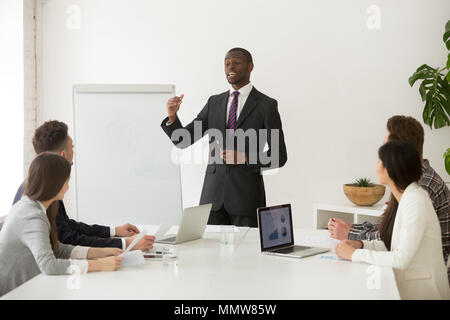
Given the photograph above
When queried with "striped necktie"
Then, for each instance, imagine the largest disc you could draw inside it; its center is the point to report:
(233, 111)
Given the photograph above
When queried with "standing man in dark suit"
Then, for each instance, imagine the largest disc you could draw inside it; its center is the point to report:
(233, 181)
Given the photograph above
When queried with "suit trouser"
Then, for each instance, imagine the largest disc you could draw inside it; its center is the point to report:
(222, 217)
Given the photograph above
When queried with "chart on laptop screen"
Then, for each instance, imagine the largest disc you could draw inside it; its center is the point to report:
(276, 227)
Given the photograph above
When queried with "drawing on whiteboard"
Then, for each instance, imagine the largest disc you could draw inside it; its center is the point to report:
(121, 135)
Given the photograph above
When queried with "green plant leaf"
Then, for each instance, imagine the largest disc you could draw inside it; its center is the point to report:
(363, 183)
(445, 92)
(422, 91)
(447, 160)
(426, 67)
(422, 72)
(437, 102)
(426, 114)
(435, 89)
(440, 119)
(446, 38)
(442, 96)
(447, 98)
(428, 83)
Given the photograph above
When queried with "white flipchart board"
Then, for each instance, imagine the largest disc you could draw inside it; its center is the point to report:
(123, 164)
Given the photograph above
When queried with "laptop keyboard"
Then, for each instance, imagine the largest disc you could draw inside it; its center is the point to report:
(172, 239)
(292, 249)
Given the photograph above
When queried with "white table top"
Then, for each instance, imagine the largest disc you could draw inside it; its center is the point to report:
(209, 269)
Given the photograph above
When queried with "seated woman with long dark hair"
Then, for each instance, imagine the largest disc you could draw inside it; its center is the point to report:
(410, 232)
(29, 240)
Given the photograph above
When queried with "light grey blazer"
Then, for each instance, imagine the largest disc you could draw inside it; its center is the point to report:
(25, 249)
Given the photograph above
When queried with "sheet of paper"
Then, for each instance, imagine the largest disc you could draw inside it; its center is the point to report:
(320, 241)
(210, 228)
(134, 242)
(330, 257)
(132, 258)
(162, 230)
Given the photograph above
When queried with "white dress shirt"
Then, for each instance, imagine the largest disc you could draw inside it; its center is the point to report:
(244, 92)
(112, 232)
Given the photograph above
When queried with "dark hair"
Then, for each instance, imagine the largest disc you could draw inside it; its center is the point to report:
(46, 176)
(406, 129)
(245, 53)
(403, 165)
(50, 136)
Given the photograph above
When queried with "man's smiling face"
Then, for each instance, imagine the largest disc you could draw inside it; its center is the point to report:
(237, 69)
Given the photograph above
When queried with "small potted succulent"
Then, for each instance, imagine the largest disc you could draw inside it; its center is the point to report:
(363, 192)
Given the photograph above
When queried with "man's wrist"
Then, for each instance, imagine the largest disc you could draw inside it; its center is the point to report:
(172, 119)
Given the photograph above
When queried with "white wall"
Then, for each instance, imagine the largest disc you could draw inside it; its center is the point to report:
(11, 101)
(336, 81)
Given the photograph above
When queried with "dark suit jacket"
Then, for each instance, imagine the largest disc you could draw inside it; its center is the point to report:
(239, 188)
(78, 233)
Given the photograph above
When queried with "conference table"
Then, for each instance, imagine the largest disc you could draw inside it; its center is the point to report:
(209, 269)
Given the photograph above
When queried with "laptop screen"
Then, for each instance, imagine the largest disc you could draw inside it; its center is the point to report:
(275, 226)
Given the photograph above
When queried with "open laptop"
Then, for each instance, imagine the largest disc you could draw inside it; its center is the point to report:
(277, 236)
(192, 226)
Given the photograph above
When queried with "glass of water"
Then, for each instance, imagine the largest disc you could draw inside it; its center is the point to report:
(227, 235)
(170, 257)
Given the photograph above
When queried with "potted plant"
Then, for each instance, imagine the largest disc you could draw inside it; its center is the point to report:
(435, 91)
(363, 192)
